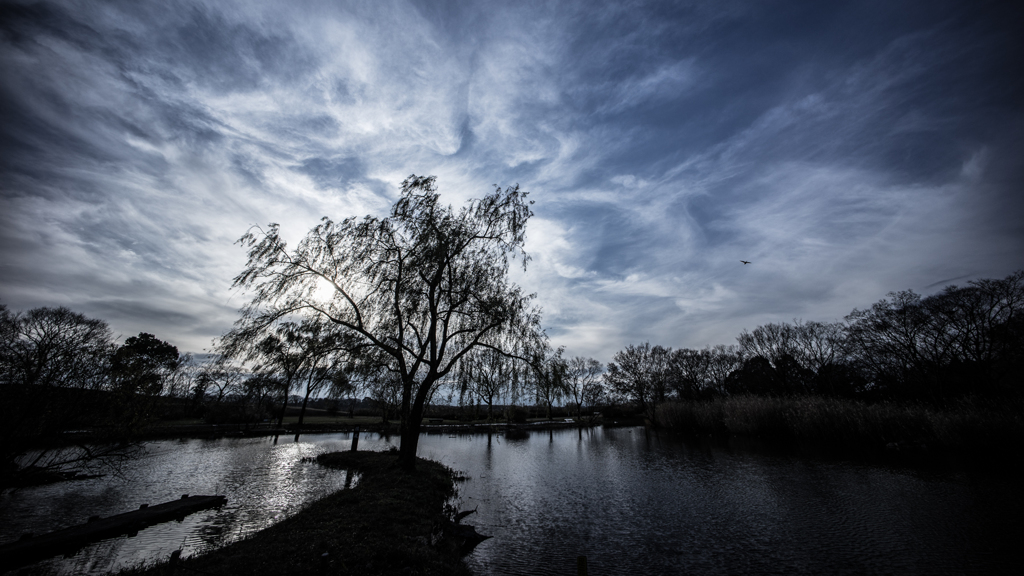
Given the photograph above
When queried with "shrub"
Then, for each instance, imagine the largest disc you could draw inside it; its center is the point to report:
(517, 414)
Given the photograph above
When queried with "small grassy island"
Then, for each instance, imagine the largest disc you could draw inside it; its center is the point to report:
(391, 522)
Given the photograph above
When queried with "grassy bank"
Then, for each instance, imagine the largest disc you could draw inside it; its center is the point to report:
(838, 425)
(392, 522)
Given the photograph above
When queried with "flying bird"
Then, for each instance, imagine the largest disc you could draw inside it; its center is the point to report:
(745, 262)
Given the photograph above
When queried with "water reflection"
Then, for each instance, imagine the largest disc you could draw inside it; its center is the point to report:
(631, 501)
(263, 480)
(636, 503)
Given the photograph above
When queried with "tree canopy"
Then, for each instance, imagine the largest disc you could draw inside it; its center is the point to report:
(420, 288)
(141, 363)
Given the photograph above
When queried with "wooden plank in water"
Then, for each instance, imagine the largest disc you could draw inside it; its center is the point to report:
(35, 548)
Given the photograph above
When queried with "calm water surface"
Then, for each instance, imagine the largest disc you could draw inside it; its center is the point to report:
(264, 482)
(632, 502)
(635, 503)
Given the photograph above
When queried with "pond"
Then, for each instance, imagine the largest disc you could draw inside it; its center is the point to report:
(636, 503)
(631, 501)
(264, 482)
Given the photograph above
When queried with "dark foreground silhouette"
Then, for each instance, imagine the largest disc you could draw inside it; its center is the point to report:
(392, 522)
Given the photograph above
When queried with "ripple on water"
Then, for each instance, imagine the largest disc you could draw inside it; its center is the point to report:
(633, 503)
(264, 482)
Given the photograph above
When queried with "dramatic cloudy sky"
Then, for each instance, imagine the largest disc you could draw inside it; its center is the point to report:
(847, 149)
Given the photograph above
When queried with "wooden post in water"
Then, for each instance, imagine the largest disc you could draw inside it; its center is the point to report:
(581, 566)
(355, 439)
(172, 565)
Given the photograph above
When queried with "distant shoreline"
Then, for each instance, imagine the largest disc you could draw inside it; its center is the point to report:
(213, 431)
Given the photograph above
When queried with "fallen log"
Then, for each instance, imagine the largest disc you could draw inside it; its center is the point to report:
(32, 548)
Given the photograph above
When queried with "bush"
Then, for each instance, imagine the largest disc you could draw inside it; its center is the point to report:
(517, 414)
(231, 414)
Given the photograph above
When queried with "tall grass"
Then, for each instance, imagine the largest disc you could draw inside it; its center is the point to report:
(847, 424)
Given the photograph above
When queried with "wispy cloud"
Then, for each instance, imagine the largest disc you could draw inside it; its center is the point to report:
(845, 150)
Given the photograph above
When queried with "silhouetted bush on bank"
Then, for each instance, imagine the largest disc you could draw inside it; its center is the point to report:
(844, 424)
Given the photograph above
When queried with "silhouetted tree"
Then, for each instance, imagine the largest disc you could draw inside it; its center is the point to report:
(424, 286)
(890, 344)
(143, 363)
(344, 386)
(640, 373)
(966, 324)
(689, 372)
(770, 341)
(548, 377)
(489, 375)
(56, 348)
(811, 344)
(219, 378)
(321, 352)
(819, 344)
(583, 382)
(839, 380)
(256, 396)
(179, 383)
(385, 389)
(281, 352)
(55, 367)
(722, 361)
(790, 378)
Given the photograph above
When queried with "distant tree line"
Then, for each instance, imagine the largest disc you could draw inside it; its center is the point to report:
(73, 400)
(963, 342)
(62, 372)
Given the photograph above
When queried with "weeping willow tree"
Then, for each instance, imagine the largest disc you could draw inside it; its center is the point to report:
(420, 288)
(490, 375)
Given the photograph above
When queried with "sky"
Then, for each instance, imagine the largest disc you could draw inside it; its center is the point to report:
(845, 149)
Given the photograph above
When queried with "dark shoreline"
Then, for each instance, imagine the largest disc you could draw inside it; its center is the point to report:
(210, 431)
(391, 522)
(882, 433)
(382, 482)
(34, 548)
(816, 427)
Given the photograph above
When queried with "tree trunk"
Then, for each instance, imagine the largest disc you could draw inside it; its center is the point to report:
(302, 412)
(412, 417)
(407, 449)
(410, 436)
(284, 406)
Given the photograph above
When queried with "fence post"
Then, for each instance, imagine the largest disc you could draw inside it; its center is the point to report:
(355, 439)
(581, 566)
(172, 565)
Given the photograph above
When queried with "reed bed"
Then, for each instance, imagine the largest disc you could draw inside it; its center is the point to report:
(849, 424)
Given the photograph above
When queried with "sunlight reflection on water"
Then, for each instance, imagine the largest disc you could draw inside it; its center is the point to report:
(632, 502)
(264, 482)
